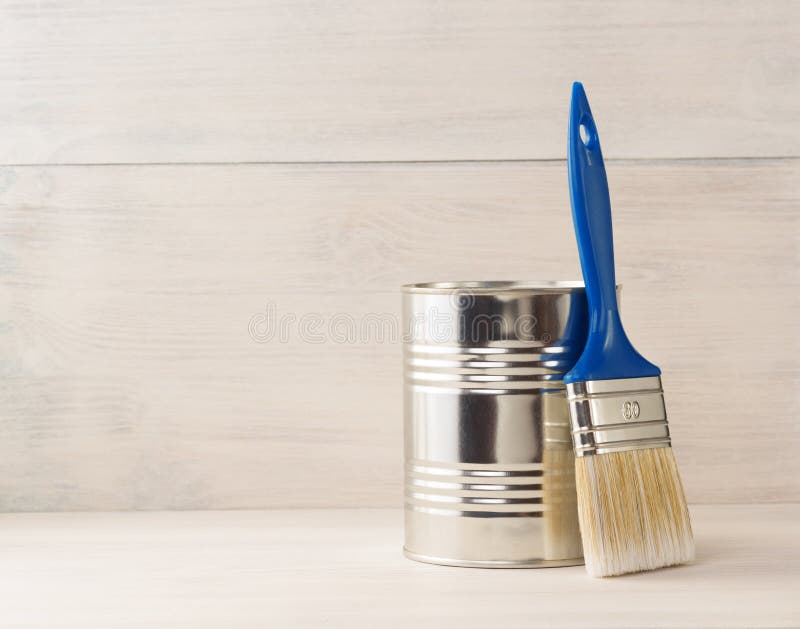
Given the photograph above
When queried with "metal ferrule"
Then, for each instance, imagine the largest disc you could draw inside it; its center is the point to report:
(617, 415)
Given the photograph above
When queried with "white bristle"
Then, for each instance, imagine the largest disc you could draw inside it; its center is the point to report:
(632, 511)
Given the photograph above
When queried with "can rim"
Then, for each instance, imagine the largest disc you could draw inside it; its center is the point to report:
(493, 286)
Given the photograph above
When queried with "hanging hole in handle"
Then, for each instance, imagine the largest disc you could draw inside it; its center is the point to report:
(586, 134)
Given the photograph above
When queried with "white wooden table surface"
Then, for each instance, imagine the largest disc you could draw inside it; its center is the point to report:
(343, 568)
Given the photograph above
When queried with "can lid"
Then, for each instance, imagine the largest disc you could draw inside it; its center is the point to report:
(478, 287)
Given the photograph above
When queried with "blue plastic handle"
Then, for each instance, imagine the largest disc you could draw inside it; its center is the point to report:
(608, 353)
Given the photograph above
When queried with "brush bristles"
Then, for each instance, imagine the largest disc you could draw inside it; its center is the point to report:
(632, 512)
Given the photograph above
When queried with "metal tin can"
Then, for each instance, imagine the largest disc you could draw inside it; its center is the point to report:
(489, 468)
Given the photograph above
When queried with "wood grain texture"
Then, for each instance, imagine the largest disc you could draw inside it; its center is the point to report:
(195, 81)
(340, 568)
(131, 379)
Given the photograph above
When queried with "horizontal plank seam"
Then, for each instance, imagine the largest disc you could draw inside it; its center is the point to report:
(321, 507)
(621, 160)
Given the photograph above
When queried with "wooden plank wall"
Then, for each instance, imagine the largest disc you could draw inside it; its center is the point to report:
(172, 170)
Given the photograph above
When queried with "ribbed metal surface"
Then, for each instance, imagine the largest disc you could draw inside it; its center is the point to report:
(493, 369)
(475, 491)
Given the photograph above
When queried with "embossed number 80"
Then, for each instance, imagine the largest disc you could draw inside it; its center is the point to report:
(630, 410)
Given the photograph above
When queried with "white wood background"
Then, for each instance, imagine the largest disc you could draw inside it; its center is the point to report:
(169, 169)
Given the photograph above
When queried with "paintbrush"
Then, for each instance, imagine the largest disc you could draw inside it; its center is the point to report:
(631, 506)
